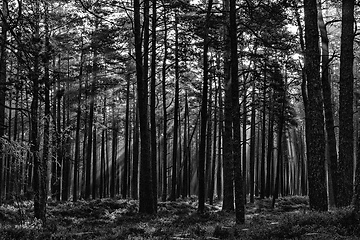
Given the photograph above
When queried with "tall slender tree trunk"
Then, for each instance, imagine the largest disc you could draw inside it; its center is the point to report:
(228, 170)
(263, 139)
(186, 172)
(252, 145)
(213, 164)
(38, 184)
(346, 112)
(95, 167)
(47, 111)
(146, 200)
(203, 112)
(135, 165)
(315, 137)
(164, 105)
(328, 110)
(219, 169)
(3, 58)
(174, 169)
(126, 151)
(239, 193)
(77, 131)
(153, 105)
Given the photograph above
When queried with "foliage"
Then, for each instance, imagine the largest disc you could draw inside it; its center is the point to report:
(118, 219)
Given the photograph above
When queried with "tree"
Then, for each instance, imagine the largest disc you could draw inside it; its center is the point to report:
(174, 167)
(39, 168)
(315, 137)
(164, 105)
(228, 170)
(204, 102)
(146, 201)
(153, 104)
(3, 65)
(328, 109)
(346, 113)
(239, 193)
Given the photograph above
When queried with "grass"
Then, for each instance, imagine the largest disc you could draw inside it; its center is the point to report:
(118, 219)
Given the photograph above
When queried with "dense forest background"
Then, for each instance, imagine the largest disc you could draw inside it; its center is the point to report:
(159, 100)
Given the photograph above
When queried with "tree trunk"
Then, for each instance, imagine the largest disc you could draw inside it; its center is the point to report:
(346, 113)
(146, 200)
(77, 131)
(235, 110)
(164, 105)
(328, 110)
(3, 58)
(203, 112)
(219, 182)
(176, 115)
(315, 137)
(263, 138)
(114, 147)
(228, 170)
(47, 111)
(153, 105)
(135, 165)
(212, 176)
(95, 168)
(252, 145)
(38, 184)
(126, 150)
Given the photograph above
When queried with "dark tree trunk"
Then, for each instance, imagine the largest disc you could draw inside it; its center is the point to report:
(47, 111)
(252, 145)
(279, 145)
(164, 105)
(3, 58)
(328, 110)
(153, 105)
(270, 146)
(203, 112)
(315, 137)
(126, 151)
(95, 168)
(114, 147)
(228, 170)
(219, 183)
(135, 165)
(186, 172)
(146, 200)
(263, 139)
(239, 190)
(213, 164)
(174, 169)
(77, 131)
(345, 174)
(39, 168)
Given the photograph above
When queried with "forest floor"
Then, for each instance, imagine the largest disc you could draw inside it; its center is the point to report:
(118, 219)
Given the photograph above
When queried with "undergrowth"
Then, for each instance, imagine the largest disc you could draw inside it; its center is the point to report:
(119, 219)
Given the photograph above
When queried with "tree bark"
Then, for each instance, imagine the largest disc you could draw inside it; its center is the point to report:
(328, 110)
(153, 105)
(164, 105)
(239, 193)
(203, 112)
(3, 64)
(146, 200)
(252, 145)
(174, 169)
(39, 168)
(228, 170)
(315, 137)
(346, 113)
